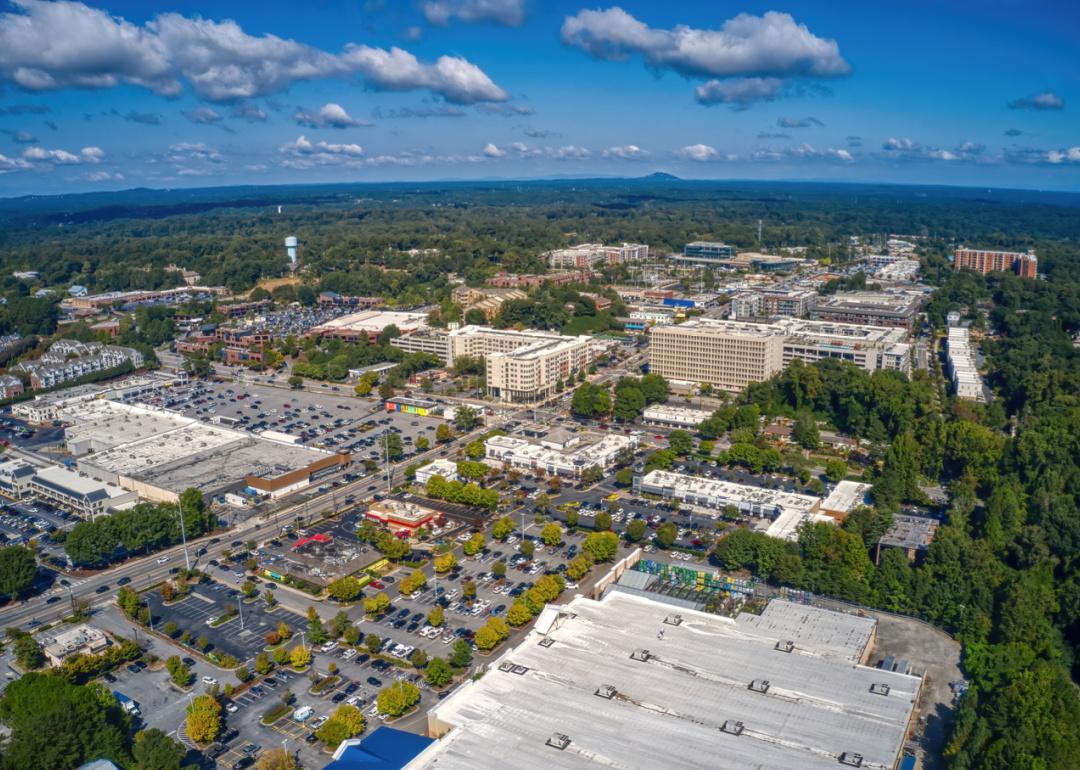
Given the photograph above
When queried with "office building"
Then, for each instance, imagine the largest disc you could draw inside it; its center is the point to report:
(731, 354)
(910, 534)
(435, 342)
(560, 452)
(15, 478)
(79, 493)
(587, 256)
(674, 416)
(962, 365)
(869, 308)
(632, 681)
(441, 467)
(1026, 265)
(708, 250)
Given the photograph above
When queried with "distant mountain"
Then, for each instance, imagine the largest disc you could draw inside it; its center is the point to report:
(659, 176)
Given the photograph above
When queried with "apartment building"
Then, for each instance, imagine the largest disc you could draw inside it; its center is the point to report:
(67, 360)
(533, 372)
(506, 280)
(585, 256)
(795, 303)
(732, 354)
(1026, 265)
(963, 368)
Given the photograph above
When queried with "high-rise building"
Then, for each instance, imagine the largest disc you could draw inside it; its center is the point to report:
(1026, 265)
(732, 354)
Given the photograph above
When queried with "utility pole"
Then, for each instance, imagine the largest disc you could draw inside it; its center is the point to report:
(240, 609)
(386, 448)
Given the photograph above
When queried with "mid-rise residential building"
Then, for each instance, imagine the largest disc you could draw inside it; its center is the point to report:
(1024, 264)
(68, 360)
(586, 256)
(794, 303)
(10, 386)
(875, 308)
(559, 453)
(732, 354)
(963, 368)
(529, 280)
(433, 341)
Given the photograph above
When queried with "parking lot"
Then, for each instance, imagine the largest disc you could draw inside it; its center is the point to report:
(242, 636)
(336, 421)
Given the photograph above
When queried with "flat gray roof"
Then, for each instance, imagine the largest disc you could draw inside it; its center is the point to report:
(669, 711)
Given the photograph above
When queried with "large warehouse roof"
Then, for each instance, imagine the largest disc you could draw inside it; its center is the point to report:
(582, 701)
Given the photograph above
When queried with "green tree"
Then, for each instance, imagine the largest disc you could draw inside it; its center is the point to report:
(601, 546)
(154, 750)
(629, 403)
(519, 614)
(666, 534)
(443, 433)
(17, 570)
(465, 419)
(624, 477)
(28, 653)
(373, 643)
(551, 534)
(503, 528)
(805, 431)
(681, 442)
(835, 469)
(398, 698)
(300, 657)
(474, 544)
(438, 673)
(602, 521)
(635, 530)
(377, 604)
(436, 616)
(498, 569)
(527, 548)
(262, 664)
(590, 400)
(203, 719)
(344, 589)
(460, 654)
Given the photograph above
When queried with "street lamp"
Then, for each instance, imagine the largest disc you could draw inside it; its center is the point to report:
(183, 533)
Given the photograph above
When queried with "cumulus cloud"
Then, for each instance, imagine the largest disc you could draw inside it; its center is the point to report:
(399, 113)
(104, 176)
(191, 152)
(145, 118)
(905, 149)
(698, 152)
(203, 116)
(330, 115)
(626, 152)
(1069, 155)
(798, 122)
(41, 155)
(509, 13)
(760, 50)
(491, 151)
(303, 153)
(1043, 101)
(47, 46)
(740, 93)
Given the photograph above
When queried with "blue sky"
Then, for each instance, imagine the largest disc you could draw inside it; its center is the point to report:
(116, 94)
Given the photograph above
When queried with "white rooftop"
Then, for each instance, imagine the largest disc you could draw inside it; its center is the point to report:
(669, 710)
(847, 496)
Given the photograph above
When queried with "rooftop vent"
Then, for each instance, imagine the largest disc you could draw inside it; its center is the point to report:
(507, 666)
(560, 742)
(519, 670)
(606, 691)
(879, 689)
(673, 620)
(851, 759)
(785, 645)
(732, 727)
(760, 685)
(547, 641)
(640, 654)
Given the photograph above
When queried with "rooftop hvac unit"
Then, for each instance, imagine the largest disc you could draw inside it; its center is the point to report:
(606, 691)
(785, 645)
(879, 689)
(547, 641)
(560, 741)
(760, 685)
(732, 727)
(673, 620)
(641, 655)
(851, 759)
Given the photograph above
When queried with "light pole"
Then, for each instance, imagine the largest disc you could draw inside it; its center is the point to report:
(240, 609)
(183, 533)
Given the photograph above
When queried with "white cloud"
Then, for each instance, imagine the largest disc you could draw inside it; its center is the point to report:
(626, 152)
(104, 176)
(698, 152)
(510, 13)
(491, 151)
(905, 149)
(330, 115)
(762, 49)
(1046, 100)
(203, 115)
(303, 153)
(185, 153)
(739, 92)
(7, 165)
(64, 44)
(1070, 155)
(571, 152)
(63, 157)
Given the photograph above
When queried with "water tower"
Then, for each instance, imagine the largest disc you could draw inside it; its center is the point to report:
(290, 249)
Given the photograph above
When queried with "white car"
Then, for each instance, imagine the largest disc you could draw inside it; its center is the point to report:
(348, 654)
(162, 559)
(209, 681)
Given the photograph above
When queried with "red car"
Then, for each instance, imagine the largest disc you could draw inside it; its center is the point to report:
(376, 584)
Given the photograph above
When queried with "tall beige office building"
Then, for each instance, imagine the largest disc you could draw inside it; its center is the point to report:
(731, 354)
(726, 354)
